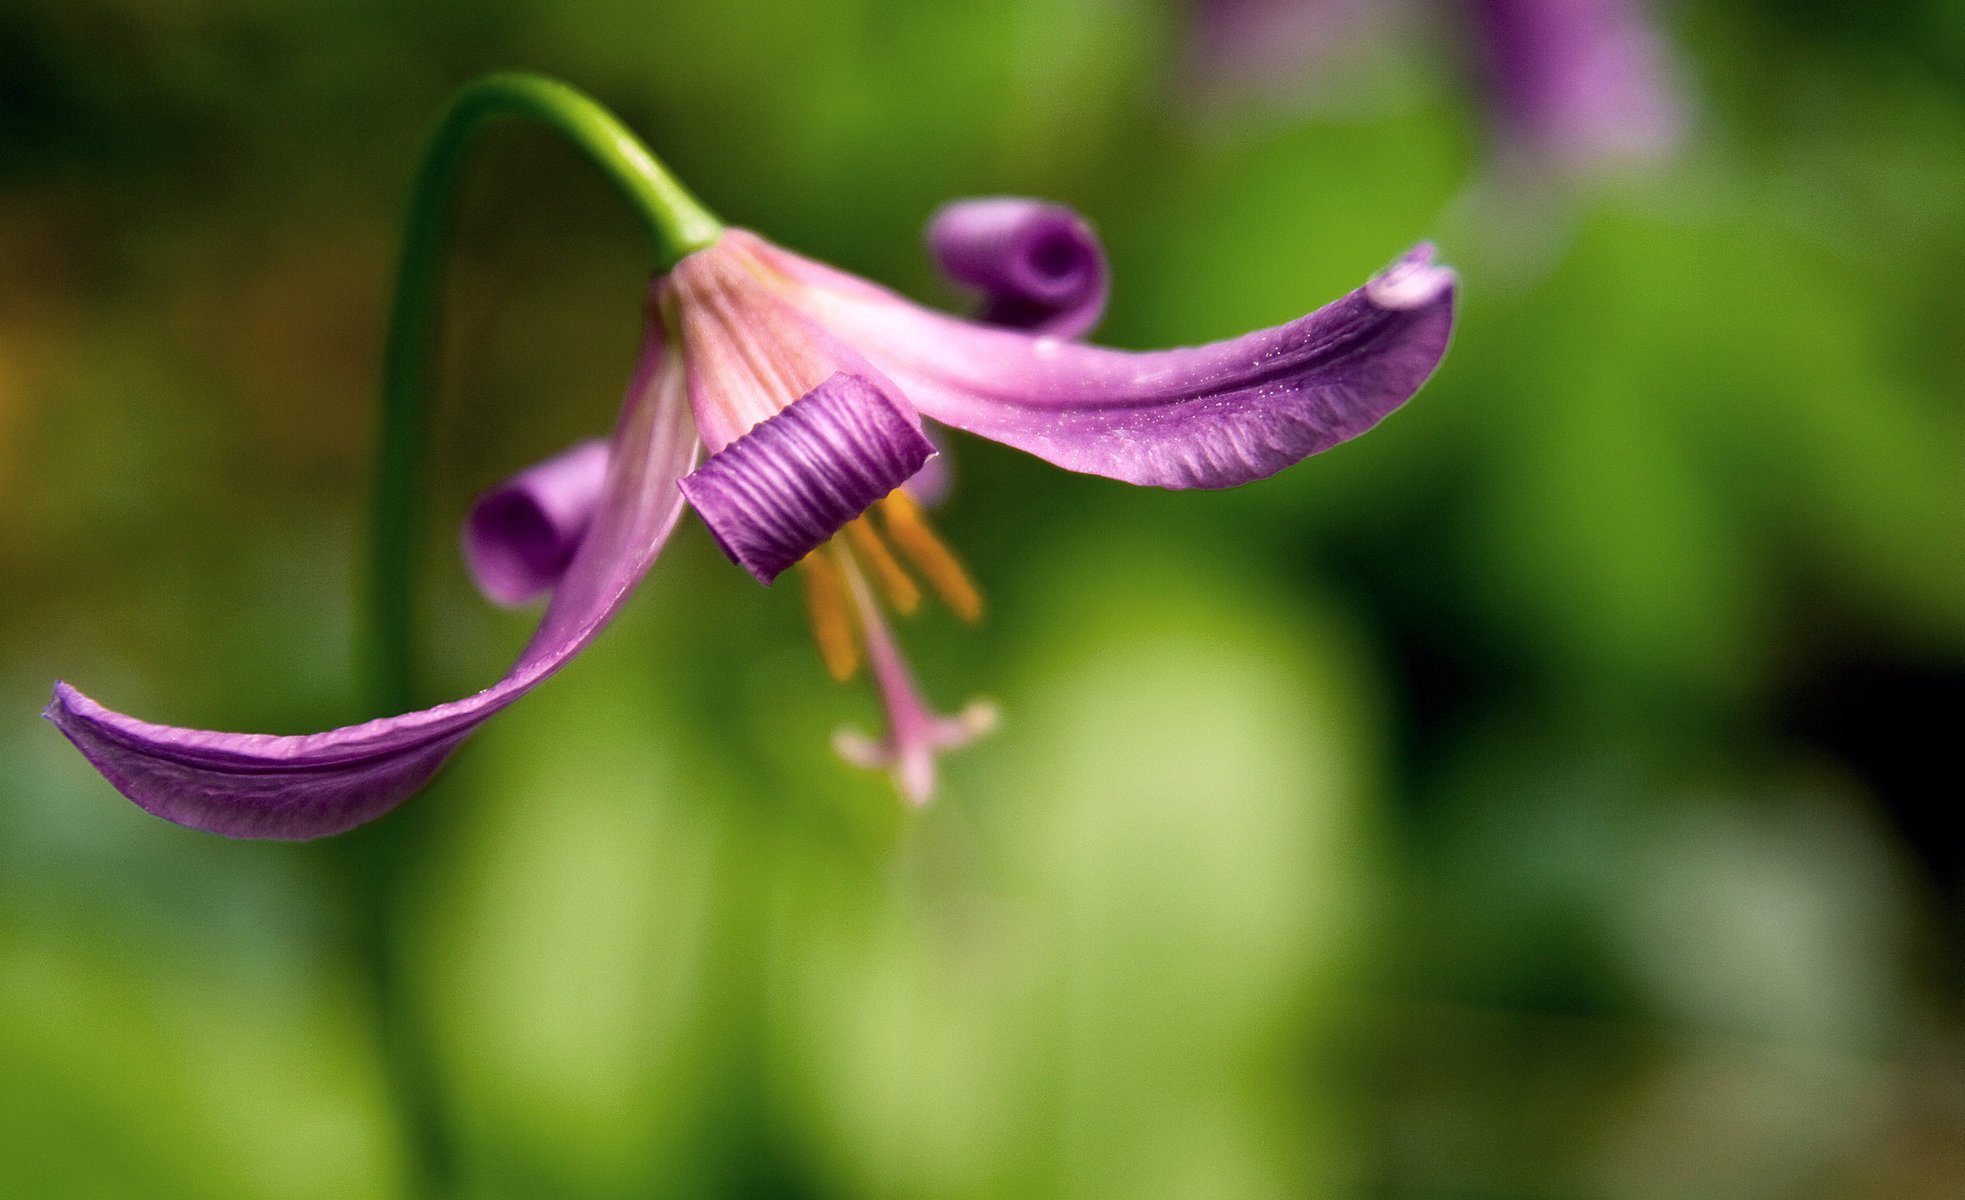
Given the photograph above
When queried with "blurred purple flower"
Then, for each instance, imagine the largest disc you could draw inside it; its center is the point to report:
(1580, 83)
(1282, 48)
(1573, 84)
(806, 387)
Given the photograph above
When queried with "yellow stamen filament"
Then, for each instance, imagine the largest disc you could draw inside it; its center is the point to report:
(832, 615)
(899, 586)
(937, 563)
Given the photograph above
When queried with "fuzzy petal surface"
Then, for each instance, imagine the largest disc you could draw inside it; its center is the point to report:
(312, 785)
(1202, 417)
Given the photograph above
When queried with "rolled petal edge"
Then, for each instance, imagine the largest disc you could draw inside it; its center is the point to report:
(521, 534)
(1038, 266)
(783, 489)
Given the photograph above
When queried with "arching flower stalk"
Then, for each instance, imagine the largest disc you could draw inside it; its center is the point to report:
(784, 401)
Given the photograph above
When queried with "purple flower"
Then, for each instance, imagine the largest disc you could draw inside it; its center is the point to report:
(802, 391)
(1572, 84)
(1580, 83)
(1280, 49)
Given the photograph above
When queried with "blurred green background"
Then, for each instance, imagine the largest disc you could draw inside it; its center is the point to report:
(1548, 795)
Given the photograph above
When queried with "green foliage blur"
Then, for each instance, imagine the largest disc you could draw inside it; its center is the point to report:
(1543, 796)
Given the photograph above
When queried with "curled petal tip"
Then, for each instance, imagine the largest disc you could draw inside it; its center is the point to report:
(931, 485)
(60, 707)
(254, 785)
(520, 535)
(1414, 281)
(1038, 266)
(1206, 416)
(783, 489)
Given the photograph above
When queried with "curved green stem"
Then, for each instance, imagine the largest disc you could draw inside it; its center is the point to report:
(373, 860)
(677, 223)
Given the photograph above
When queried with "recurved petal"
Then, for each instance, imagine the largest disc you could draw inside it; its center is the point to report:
(1206, 416)
(783, 489)
(1038, 266)
(521, 535)
(306, 786)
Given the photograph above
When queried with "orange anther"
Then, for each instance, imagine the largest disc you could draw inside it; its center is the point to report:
(831, 613)
(909, 528)
(898, 585)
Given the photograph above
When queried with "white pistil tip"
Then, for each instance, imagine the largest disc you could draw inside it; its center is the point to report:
(859, 749)
(977, 719)
(908, 753)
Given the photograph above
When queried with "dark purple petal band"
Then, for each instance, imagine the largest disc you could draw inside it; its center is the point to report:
(1038, 266)
(780, 491)
(521, 535)
(312, 785)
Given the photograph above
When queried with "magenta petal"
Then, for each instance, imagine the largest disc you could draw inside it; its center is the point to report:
(1209, 416)
(306, 786)
(931, 485)
(521, 535)
(1038, 266)
(780, 491)
(264, 786)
